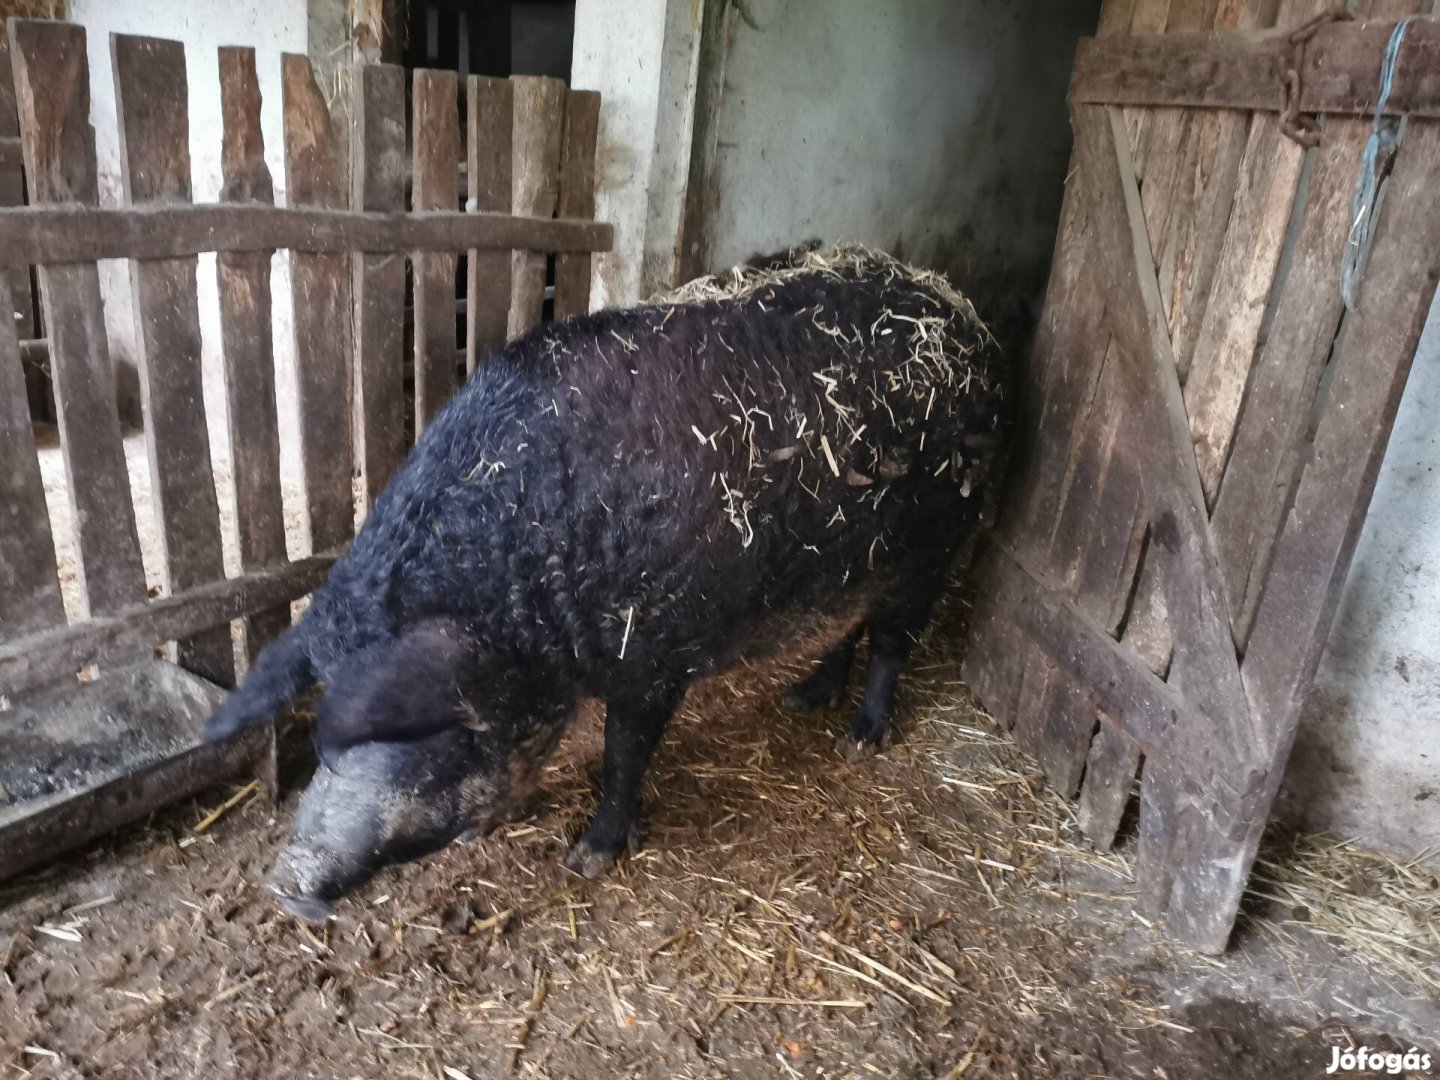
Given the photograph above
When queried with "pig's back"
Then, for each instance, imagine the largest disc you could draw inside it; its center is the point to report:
(664, 480)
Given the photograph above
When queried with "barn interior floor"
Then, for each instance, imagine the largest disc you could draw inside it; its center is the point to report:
(933, 912)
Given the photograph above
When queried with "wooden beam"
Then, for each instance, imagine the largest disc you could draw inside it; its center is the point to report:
(535, 162)
(435, 185)
(1140, 703)
(52, 83)
(1192, 583)
(1243, 69)
(243, 279)
(70, 234)
(320, 287)
(29, 589)
(151, 99)
(53, 654)
(489, 137)
(377, 182)
(577, 197)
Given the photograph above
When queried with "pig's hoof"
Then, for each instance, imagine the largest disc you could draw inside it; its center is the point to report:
(817, 692)
(856, 750)
(591, 860)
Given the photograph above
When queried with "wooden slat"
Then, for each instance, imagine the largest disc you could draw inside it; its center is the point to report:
(1192, 584)
(1269, 441)
(314, 175)
(436, 127)
(29, 589)
(1110, 769)
(246, 339)
(539, 119)
(490, 123)
(12, 191)
(152, 98)
(1204, 192)
(53, 92)
(1370, 366)
(82, 233)
(1249, 256)
(1069, 344)
(577, 197)
(1240, 70)
(44, 657)
(377, 177)
(1120, 685)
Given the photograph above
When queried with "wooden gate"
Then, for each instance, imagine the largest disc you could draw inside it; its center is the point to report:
(1205, 416)
(529, 156)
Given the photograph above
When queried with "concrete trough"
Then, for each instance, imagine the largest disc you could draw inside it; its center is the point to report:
(81, 760)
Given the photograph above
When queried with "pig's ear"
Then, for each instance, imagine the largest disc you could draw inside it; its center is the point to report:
(282, 671)
(405, 689)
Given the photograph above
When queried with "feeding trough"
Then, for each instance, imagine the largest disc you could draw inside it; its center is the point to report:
(79, 761)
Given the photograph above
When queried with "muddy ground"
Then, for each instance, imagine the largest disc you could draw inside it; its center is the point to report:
(930, 913)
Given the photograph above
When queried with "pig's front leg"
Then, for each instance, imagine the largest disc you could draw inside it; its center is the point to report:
(633, 728)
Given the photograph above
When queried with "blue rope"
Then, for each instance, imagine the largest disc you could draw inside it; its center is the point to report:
(1384, 137)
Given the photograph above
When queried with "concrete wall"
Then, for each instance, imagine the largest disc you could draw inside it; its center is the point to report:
(1367, 756)
(642, 56)
(936, 129)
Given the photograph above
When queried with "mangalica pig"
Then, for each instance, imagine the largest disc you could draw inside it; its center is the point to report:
(616, 506)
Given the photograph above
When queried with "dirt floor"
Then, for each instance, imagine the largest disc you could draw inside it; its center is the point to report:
(930, 913)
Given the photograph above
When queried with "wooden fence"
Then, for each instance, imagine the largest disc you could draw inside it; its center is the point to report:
(528, 153)
(1205, 417)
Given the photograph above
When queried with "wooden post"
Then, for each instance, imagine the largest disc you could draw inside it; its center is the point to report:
(246, 336)
(314, 171)
(53, 92)
(12, 193)
(490, 128)
(152, 96)
(539, 116)
(577, 197)
(377, 176)
(29, 589)
(435, 186)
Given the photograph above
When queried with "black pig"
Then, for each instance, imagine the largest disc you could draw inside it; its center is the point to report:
(616, 506)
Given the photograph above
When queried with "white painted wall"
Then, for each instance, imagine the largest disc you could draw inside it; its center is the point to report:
(272, 27)
(936, 129)
(641, 55)
(1367, 756)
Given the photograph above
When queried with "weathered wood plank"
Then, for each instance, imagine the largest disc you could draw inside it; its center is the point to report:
(490, 127)
(1070, 342)
(1191, 579)
(577, 197)
(61, 234)
(377, 177)
(53, 93)
(44, 657)
(436, 179)
(1254, 236)
(152, 103)
(1269, 441)
(314, 172)
(29, 589)
(1371, 364)
(246, 341)
(1110, 771)
(539, 122)
(12, 192)
(1240, 70)
(1119, 684)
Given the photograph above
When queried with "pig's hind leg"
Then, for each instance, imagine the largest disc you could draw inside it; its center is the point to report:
(633, 729)
(893, 629)
(825, 686)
